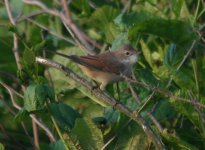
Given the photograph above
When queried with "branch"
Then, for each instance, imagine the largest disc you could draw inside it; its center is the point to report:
(66, 18)
(103, 97)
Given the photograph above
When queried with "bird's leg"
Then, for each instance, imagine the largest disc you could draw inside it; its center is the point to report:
(103, 85)
(95, 86)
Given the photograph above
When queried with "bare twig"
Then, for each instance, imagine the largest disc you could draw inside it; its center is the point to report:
(103, 97)
(32, 14)
(35, 135)
(51, 32)
(17, 57)
(42, 6)
(40, 124)
(67, 19)
(15, 39)
(77, 31)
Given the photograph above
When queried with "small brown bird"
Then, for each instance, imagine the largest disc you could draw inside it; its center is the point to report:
(107, 67)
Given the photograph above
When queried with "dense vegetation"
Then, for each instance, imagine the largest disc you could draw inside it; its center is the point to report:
(161, 107)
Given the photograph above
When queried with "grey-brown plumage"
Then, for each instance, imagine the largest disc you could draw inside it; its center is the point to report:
(107, 67)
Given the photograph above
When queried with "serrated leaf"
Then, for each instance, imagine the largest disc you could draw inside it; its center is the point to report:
(36, 95)
(111, 32)
(65, 115)
(28, 57)
(103, 16)
(87, 134)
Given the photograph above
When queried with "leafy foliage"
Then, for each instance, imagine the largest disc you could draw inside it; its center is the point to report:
(64, 115)
(36, 95)
(170, 37)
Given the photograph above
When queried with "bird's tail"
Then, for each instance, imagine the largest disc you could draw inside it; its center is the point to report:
(74, 58)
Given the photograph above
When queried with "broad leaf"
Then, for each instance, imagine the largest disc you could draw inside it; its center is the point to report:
(65, 115)
(87, 134)
(36, 95)
(179, 32)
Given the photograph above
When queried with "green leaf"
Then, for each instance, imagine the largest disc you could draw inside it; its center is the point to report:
(39, 46)
(177, 143)
(103, 16)
(53, 146)
(129, 137)
(179, 32)
(65, 115)
(110, 33)
(28, 57)
(127, 20)
(171, 57)
(87, 134)
(121, 39)
(184, 78)
(36, 95)
(111, 115)
(177, 6)
(2, 147)
(57, 146)
(83, 6)
(21, 115)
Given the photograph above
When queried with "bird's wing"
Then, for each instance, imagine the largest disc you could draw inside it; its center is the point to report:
(99, 62)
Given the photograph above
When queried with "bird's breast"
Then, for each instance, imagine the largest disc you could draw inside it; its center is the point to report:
(100, 76)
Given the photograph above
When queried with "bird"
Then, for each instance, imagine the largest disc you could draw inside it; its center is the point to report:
(108, 67)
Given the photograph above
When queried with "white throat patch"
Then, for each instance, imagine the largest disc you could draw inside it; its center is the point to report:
(130, 60)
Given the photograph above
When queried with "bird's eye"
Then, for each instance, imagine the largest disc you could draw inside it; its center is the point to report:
(127, 53)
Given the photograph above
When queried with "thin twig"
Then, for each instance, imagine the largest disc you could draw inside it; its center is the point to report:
(104, 97)
(32, 14)
(42, 6)
(17, 58)
(77, 31)
(165, 93)
(65, 18)
(52, 32)
(149, 114)
(183, 60)
(15, 39)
